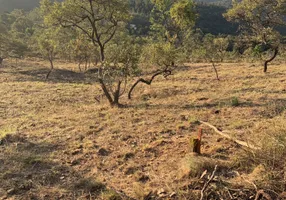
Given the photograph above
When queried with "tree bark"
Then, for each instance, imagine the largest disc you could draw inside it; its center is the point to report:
(217, 77)
(271, 59)
(79, 67)
(105, 91)
(102, 56)
(117, 95)
(101, 80)
(148, 82)
(52, 67)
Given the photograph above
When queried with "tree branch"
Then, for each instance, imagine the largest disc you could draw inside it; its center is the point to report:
(166, 72)
(242, 143)
(207, 183)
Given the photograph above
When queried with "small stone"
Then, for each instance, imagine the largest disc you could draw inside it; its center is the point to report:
(173, 194)
(75, 162)
(143, 178)
(81, 137)
(103, 152)
(162, 193)
(29, 176)
(62, 177)
(216, 111)
(130, 170)
(127, 156)
(77, 151)
(184, 118)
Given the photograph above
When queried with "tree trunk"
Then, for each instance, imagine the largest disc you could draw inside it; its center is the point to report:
(114, 102)
(217, 77)
(100, 79)
(271, 59)
(102, 56)
(52, 67)
(1, 61)
(85, 66)
(105, 91)
(117, 95)
(79, 67)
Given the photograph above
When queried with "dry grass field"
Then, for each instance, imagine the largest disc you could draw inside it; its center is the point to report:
(57, 142)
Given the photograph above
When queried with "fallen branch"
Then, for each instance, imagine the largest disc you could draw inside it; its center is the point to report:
(165, 72)
(242, 143)
(207, 183)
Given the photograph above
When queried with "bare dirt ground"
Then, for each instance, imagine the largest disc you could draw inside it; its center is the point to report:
(57, 142)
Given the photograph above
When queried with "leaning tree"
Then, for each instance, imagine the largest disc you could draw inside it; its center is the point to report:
(170, 20)
(260, 19)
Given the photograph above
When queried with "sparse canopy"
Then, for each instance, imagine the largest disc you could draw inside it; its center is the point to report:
(170, 17)
(260, 18)
(100, 21)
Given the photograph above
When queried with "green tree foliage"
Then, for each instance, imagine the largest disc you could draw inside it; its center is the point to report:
(82, 51)
(100, 22)
(260, 19)
(141, 6)
(215, 49)
(183, 14)
(50, 43)
(169, 18)
(162, 56)
(16, 30)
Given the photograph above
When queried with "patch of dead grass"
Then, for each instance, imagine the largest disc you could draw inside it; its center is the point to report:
(62, 112)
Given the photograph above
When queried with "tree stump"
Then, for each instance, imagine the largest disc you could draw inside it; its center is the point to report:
(196, 142)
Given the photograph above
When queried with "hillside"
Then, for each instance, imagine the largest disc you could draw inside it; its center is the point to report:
(56, 142)
(223, 3)
(9, 5)
(211, 20)
(210, 12)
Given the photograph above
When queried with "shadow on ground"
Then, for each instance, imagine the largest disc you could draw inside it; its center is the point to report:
(28, 170)
(38, 74)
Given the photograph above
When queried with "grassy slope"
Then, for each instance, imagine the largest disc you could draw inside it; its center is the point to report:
(54, 134)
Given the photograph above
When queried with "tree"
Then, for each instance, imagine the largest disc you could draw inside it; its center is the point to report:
(172, 19)
(259, 19)
(169, 19)
(215, 49)
(48, 44)
(81, 51)
(100, 21)
(13, 34)
(162, 56)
